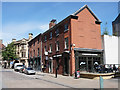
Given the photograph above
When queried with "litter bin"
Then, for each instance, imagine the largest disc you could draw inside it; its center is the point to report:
(77, 74)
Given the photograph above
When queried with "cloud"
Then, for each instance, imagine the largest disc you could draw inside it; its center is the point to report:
(18, 30)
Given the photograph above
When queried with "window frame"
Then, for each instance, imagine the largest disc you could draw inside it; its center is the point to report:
(66, 29)
(57, 32)
(50, 35)
(66, 45)
(57, 46)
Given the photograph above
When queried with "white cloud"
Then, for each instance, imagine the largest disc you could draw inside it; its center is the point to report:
(18, 30)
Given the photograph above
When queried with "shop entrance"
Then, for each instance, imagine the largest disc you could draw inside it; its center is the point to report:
(50, 66)
(66, 66)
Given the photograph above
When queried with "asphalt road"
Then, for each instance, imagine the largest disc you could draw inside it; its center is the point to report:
(12, 79)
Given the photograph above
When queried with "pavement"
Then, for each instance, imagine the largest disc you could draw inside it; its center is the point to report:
(46, 80)
(81, 82)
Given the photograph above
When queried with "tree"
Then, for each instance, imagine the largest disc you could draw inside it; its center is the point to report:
(105, 31)
(9, 53)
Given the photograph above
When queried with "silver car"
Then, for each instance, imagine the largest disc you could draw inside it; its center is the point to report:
(29, 70)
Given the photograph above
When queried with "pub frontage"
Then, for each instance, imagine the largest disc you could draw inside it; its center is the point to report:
(87, 59)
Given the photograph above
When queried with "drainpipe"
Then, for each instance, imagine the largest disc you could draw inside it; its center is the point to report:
(41, 56)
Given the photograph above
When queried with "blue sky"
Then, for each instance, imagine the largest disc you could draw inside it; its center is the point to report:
(21, 18)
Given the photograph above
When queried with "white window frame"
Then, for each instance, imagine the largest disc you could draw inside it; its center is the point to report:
(66, 42)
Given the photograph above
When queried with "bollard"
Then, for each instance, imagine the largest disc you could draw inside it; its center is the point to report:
(101, 83)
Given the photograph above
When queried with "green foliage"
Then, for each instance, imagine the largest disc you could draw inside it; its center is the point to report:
(9, 53)
(105, 31)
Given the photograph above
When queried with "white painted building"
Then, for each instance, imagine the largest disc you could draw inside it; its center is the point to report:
(110, 46)
(22, 49)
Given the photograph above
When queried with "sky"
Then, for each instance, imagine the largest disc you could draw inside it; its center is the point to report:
(21, 18)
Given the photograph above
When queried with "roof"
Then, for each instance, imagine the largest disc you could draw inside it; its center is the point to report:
(82, 8)
(35, 38)
(74, 15)
(117, 19)
(70, 16)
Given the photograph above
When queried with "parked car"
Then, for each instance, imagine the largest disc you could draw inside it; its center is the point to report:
(18, 66)
(29, 70)
(22, 69)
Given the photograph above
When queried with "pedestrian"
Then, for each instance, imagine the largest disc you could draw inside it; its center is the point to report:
(114, 68)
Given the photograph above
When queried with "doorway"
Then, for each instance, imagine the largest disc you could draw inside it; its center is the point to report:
(50, 66)
(66, 66)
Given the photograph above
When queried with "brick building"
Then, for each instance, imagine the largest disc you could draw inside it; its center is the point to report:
(116, 26)
(34, 52)
(72, 44)
(22, 49)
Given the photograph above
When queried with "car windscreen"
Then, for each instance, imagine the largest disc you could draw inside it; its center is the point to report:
(29, 69)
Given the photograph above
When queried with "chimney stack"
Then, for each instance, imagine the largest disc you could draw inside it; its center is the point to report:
(30, 36)
(13, 40)
(52, 23)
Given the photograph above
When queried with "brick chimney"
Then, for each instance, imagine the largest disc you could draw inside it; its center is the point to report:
(30, 36)
(52, 23)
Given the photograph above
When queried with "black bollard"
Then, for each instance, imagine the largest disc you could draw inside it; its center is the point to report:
(56, 73)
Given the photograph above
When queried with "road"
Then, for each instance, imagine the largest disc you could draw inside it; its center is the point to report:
(12, 79)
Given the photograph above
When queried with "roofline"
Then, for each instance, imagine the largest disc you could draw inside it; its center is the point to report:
(86, 6)
(116, 18)
(70, 16)
(34, 38)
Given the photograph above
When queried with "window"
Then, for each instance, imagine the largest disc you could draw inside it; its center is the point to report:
(23, 54)
(38, 51)
(50, 35)
(31, 53)
(45, 49)
(66, 27)
(57, 32)
(38, 40)
(45, 39)
(66, 43)
(34, 43)
(57, 46)
(34, 53)
(23, 46)
(50, 48)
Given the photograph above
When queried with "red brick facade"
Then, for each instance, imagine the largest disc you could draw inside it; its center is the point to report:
(83, 32)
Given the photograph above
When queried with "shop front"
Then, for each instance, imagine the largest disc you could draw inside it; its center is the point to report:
(35, 63)
(87, 59)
